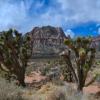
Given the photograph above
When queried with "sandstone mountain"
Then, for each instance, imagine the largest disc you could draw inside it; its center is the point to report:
(47, 40)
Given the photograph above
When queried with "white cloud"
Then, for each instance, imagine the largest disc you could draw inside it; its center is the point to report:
(99, 31)
(70, 33)
(64, 4)
(67, 13)
(80, 11)
(72, 12)
(12, 15)
(16, 14)
(52, 18)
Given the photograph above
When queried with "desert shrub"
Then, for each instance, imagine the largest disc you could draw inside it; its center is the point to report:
(3, 74)
(49, 62)
(8, 76)
(97, 72)
(98, 63)
(45, 70)
(98, 78)
(9, 91)
(32, 66)
(47, 67)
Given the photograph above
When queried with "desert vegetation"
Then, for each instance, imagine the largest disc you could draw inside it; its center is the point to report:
(14, 54)
(84, 55)
(61, 78)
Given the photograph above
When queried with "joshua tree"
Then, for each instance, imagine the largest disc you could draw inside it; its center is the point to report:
(84, 59)
(14, 54)
(65, 69)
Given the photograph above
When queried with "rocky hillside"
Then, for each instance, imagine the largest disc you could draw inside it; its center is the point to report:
(47, 40)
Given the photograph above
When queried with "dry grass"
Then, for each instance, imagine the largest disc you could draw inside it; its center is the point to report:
(9, 91)
(54, 92)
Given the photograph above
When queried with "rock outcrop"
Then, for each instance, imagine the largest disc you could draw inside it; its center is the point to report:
(47, 40)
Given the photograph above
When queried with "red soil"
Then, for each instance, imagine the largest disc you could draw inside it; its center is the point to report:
(34, 77)
(37, 77)
(92, 89)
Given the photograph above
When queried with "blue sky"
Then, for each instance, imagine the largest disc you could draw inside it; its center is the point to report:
(76, 17)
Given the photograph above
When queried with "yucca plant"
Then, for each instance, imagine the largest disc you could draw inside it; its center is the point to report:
(14, 54)
(84, 58)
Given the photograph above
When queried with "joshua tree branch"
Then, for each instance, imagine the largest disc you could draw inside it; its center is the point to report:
(91, 81)
(71, 68)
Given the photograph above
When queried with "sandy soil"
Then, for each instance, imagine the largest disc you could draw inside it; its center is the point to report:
(37, 77)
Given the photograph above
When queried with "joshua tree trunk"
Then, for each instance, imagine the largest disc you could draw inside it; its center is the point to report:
(80, 78)
(80, 87)
(21, 77)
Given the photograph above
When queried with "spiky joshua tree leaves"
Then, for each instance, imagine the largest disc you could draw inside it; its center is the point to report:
(14, 54)
(84, 55)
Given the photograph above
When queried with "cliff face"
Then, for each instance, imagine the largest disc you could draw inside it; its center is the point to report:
(96, 42)
(47, 40)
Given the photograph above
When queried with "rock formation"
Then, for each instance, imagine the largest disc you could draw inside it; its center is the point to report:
(47, 40)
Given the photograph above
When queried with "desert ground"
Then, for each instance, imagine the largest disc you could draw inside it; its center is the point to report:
(45, 81)
(37, 79)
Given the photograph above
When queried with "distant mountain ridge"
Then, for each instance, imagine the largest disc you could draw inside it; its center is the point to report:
(47, 40)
